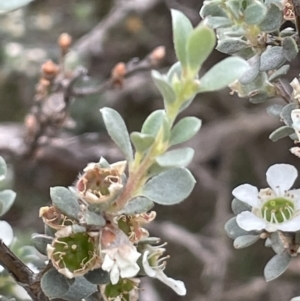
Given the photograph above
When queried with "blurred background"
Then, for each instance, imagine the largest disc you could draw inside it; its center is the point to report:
(232, 146)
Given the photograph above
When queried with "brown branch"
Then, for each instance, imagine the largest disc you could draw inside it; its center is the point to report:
(21, 273)
(92, 43)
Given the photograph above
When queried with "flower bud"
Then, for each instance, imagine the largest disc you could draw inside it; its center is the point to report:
(64, 42)
(50, 69)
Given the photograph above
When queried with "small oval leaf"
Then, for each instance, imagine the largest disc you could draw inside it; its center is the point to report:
(176, 158)
(7, 198)
(169, 187)
(238, 206)
(184, 130)
(200, 44)
(245, 241)
(54, 284)
(277, 266)
(153, 123)
(65, 201)
(282, 132)
(117, 130)
(182, 28)
(218, 76)
(141, 141)
(137, 205)
(40, 242)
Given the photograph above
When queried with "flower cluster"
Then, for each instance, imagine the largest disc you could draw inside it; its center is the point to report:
(90, 238)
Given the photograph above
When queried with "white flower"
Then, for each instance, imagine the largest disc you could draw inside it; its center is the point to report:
(121, 262)
(275, 208)
(156, 271)
(6, 234)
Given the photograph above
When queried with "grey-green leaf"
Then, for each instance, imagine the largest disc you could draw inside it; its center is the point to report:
(80, 289)
(286, 113)
(166, 90)
(141, 141)
(272, 20)
(272, 58)
(274, 110)
(40, 242)
(184, 130)
(212, 9)
(153, 123)
(252, 72)
(218, 76)
(93, 219)
(277, 266)
(233, 230)
(7, 198)
(281, 132)
(54, 284)
(290, 48)
(3, 169)
(231, 45)
(245, 241)
(176, 158)
(277, 242)
(117, 130)
(238, 206)
(169, 187)
(97, 276)
(200, 44)
(7, 6)
(65, 201)
(255, 13)
(283, 70)
(137, 205)
(217, 22)
(182, 29)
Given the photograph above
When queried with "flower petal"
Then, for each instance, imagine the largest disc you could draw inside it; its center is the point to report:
(114, 274)
(247, 193)
(107, 263)
(130, 271)
(249, 222)
(281, 177)
(291, 225)
(6, 232)
(148, 270)
(177, 285)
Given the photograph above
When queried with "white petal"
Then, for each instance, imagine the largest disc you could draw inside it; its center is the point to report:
(114, 274)
(177, 285)
(107, 263)
(295, 299)
(6, 232)
(249, 222)
(291, 225)
(130, 271)
(247, 194)
(281, 177)
(1, 268)
(148, 270)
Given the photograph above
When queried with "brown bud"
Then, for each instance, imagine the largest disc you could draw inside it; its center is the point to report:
(50, 69)
(118, 71)
(158, 54)
(64, 42)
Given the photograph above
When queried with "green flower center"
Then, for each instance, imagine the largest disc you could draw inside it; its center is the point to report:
(278, 210)
(74, 252)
